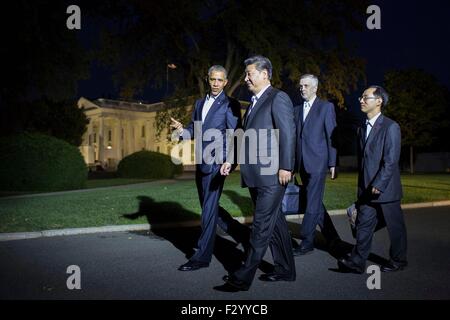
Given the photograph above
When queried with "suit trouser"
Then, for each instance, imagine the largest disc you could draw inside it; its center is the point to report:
(368, 217)
(315, 212)
(269, 228)
(209, 188)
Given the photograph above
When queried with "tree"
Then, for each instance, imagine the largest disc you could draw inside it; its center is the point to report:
(63, 120)
(175, 107)
(418, 103)
(41, 63)
(298, 36)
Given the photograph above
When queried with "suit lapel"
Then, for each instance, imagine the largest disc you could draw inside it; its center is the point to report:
(245, 116)
(375, 129)
(314, 109)
(298, 114)
(215, 106)
(200, 106)
(362, 136)
(300, 117)
(258, 104)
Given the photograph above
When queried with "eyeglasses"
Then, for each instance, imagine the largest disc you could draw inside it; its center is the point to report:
(366, 98)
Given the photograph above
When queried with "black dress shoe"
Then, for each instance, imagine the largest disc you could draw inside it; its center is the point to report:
(349, 266)
(393, 266)
(226, 288)
(193, 265)
(301, 251)
(272, 277)
(236, 283)
(226, 277)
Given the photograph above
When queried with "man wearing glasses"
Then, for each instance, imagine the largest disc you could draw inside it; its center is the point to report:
(379, 186)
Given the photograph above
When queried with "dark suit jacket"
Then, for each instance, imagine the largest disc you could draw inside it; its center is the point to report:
(225, 113)
(315, 137)
(378, 161)
(273, 110)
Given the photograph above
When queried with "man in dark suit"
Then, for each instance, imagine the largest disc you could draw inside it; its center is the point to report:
(315, 155)
(266, 171)
(219, 112)
(379, 186)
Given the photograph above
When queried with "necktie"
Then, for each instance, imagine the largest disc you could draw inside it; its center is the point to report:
(306, 108)
(368, 128)
(254, 99)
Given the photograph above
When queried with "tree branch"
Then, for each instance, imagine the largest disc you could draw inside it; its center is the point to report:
(234, 87)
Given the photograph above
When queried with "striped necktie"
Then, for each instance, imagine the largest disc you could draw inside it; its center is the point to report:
(254, 99)
(306, 108)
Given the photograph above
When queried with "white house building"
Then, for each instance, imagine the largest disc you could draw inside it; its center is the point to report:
(119, 128)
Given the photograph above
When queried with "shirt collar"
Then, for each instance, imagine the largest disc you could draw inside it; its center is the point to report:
(210, 96)
(372, 121)
(311, 101)
(262, 91)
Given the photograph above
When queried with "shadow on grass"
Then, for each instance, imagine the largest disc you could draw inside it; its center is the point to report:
(245, 204)
(159, 213)
(185, 239)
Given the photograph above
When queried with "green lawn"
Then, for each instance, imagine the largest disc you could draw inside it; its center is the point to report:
(100, 183)
(173, 200)
(90, 184)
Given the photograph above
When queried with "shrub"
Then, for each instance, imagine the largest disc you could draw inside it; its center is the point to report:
(148, 165)
(37, 162)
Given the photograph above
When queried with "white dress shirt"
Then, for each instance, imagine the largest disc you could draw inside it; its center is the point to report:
(370, 123)
(307, 107)
(208, 104)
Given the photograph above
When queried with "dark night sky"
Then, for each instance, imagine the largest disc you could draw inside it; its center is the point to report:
(412, 34)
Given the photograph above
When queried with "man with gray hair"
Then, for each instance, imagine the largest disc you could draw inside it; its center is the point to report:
(219, 112)
(315, 154)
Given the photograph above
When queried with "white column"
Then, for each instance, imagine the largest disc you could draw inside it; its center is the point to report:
(147, 135)
(118, 140)
(90, 148)
(101, 140)
(129, 138)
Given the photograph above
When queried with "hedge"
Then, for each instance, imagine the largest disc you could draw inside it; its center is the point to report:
(37, 162)
(148, 165)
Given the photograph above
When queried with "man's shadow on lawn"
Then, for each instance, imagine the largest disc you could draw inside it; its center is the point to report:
(161, 214)
(245, 204)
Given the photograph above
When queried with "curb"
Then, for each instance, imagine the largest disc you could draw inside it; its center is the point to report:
(146, 226)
